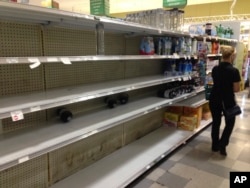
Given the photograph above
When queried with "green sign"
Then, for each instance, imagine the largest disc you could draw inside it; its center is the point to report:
(99, 7)
(174, 3)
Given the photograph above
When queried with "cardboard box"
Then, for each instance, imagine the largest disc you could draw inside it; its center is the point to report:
(172, 116)
(188, 123)
(190, 111)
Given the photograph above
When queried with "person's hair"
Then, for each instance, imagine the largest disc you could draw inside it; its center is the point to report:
(226, 51)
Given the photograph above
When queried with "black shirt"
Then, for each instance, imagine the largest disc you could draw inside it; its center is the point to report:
(224, 75)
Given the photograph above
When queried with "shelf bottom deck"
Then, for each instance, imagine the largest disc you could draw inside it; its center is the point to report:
(128, 163)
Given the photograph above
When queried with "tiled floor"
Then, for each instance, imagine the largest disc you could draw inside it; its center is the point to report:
(196, 166)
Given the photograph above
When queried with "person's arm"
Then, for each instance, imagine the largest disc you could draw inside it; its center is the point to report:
(237, 79)
(236, 86)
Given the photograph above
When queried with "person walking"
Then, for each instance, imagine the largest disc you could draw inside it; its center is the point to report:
(226, 79)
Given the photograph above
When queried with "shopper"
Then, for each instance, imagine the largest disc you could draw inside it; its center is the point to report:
(226, 80)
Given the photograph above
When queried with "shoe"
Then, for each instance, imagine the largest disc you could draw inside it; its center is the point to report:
(223, 151)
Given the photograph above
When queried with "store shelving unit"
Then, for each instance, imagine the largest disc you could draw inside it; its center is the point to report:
(131, 160)
(58, 97)
(122, 167)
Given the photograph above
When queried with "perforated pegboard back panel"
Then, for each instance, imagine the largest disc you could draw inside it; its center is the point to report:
(17, 40)
(30, 120)
(143, 125)
(67, 160)
(89, 106)
(59, 75)
(19, 79)
(68, 42)
(30, 174)
(114, 44)
(143, 68)
(132, 45)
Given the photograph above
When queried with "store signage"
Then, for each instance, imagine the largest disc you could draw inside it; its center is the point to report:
(99, 7)
(174, 3)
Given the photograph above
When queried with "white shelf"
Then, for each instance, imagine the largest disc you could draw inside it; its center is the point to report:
(194, 101)
(58, 134)
(34, 14)
(214, 38)
(27, 103)
(128, 163)
(71, 59)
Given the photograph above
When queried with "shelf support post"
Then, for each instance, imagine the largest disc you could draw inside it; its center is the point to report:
(100, 48)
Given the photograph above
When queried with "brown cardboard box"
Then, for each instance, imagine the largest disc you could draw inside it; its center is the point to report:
(190, 111)
(188, 123)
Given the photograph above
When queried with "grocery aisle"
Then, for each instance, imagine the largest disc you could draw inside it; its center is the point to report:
(194, 165)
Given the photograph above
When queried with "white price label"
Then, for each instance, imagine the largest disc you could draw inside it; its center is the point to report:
(24, 159)
(17, 115)
(65, 61)
(145, 112)
(35, 62)
(35, 108)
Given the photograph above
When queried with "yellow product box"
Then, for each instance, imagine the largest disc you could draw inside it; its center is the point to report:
(171, 116)
(190, 111)
(188, 123)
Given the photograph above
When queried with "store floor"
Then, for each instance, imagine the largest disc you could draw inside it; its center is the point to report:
(194, 165)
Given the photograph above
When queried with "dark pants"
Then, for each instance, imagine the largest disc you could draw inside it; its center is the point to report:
(222, 141)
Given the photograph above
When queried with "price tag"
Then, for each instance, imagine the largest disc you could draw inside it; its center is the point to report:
(12, 60)
(65, 61)
(35, 62)
(17, 115)
(170, 103)
(145, 112)
(35, 108)
(24, 159)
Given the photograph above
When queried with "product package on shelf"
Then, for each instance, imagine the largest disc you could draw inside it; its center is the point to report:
(188, 122)
(172, 116)
(171, 119)
(195, 112)
(206, 113)
(147, 46)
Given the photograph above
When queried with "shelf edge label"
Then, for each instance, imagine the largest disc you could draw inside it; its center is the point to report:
(17, 115)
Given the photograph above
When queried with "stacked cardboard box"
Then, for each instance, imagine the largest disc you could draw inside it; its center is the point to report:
(182, 117)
